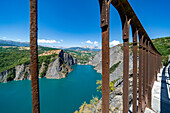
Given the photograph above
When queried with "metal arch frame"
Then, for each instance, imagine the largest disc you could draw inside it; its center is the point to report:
(148, 55)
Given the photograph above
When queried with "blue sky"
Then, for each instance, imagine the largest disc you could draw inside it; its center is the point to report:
(70, 23)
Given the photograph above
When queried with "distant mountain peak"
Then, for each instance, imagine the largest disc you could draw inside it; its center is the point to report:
(13, 43)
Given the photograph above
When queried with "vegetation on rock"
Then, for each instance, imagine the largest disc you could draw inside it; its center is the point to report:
(82, 57)
(163, 47)
(87, 107)
(111, 85)
(113, 68)
(45, 60)
(13, 56)
(11, 75)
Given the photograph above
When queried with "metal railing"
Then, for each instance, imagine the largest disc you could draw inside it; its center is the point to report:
(149, 57)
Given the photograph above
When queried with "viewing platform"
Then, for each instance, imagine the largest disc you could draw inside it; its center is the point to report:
(161, 92)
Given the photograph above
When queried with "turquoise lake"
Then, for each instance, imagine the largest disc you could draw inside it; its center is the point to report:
(56, 96)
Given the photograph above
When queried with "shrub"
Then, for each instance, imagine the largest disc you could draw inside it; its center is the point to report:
(113, 68)
(111, 85)
(11, 75)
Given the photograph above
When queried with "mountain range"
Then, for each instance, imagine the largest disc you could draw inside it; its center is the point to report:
(13, 43)
(26, 44)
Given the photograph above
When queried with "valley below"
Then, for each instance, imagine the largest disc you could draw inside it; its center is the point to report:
(62, 95)
(70, 80)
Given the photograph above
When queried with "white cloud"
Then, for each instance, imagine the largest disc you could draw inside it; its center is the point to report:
(47, 41)
(91, 47)
(114, 42)
(58, 42)
(18, 39)
(82, 42)
(96, 43)
(89, 42)
(61, 40)
(4, 37)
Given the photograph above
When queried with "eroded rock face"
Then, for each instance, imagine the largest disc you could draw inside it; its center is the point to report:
(116, 55)
(57, 69)
(53, 70)
(19, 72)
(3, 75)
(67, 58)
(116, 100)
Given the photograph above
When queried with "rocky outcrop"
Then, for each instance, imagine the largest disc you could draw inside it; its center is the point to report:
(66, 58)
(59, 67)
(116, 55)
(116, 100)
(54, 69)
(22, 72)
(3, 75)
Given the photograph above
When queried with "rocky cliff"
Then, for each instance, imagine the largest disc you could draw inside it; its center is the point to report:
(116, 78)
(50, 66)
(116, 56)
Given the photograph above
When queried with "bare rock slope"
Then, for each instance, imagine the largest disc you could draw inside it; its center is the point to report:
(59, 66)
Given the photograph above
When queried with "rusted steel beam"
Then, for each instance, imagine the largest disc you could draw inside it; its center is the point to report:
(135, 71)
(140, 73)
(156, 70)
(153, 68)
(104, 10)
(126, 65)
(147, 75)
(148, 61)
(144, 73)
(34, 57)
(125, 8)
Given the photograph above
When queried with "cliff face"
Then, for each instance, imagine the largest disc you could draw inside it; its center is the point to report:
(59, 67)
(116, 55)
(116, 62)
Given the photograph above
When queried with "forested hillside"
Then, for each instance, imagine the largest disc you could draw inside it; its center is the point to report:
(162, 45)
(13, 56)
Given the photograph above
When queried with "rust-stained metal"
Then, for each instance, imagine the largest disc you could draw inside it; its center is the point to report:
(103, 11)
(34, 57)
(147, 75)
(105, 55)
(135, 71)
(155, 66)
(140, 72)
(126, 65)
(144, 73)
(149, 57)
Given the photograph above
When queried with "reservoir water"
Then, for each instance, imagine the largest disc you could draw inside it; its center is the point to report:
(56, 96)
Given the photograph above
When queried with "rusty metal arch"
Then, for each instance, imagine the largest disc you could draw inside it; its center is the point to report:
(147, 55)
